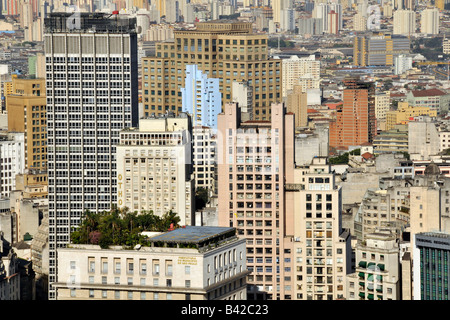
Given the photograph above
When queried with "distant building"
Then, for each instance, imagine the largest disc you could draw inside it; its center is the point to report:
(402, 63)
(393, 140)
(429, 21)
(378, 49)
(404, 22)
(295, 68)
(192, 263)
(433, 98)
(406, 113)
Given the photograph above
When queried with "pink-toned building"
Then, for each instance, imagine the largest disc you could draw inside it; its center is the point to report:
(255, 161)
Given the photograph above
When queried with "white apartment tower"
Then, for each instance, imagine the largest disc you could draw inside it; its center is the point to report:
(322, 251)
(404, 22)
(91, 81)
(154, 167)
(429, 21)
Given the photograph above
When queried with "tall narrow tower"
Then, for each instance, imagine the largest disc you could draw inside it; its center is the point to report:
(91, 81)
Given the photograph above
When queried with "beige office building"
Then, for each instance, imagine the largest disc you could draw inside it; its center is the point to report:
(322, 251)
(154, 167)
(27, 112)
(192, 263)
(254, 159)
(227, 50)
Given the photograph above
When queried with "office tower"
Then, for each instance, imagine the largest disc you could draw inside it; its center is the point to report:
(377, 275)
(205, 158)
(297, 103)
(431, 266)
(404, 22)
(355, 121)
(296, 68)
(27, 113)
(154, 167)
(429, 21)
(192, 263)
(225, 50)
(378, 49)
(12, 161)
(201, 97)
(254, 158)
(91, 86)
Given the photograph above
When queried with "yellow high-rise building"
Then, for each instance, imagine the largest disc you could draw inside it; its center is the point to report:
(26, 108)
(227, 50)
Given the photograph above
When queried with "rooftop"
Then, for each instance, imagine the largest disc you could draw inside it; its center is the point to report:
(197, 235)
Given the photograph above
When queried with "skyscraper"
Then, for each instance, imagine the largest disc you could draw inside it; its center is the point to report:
(404, 22)
(91, 81)
(356, 119)
(429, 21)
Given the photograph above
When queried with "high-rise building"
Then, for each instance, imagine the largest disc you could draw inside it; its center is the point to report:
(296, 68)
(254, 158)
(359, 22)
(227, 50)
(26, 107)
(333, 22)
(154, 167)
(404, 22)
(322, 251)
(91, 81)
(204, 159)
(201, 97)
(355, 122)
(378, 49)
(429, 21)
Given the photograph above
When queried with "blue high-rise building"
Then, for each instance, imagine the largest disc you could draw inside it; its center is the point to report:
(201, 97)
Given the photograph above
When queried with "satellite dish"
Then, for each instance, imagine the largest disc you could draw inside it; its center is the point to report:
(137, 247)
(138, 29)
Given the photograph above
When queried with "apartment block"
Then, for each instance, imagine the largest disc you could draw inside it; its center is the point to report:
(254, 158)
(27, 112)
(322, 251)
(227, 50)
(404, 22)
(377, 275)
(191, 263)
(154, 167)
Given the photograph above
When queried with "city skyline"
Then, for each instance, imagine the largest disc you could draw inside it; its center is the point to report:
(224, 150)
